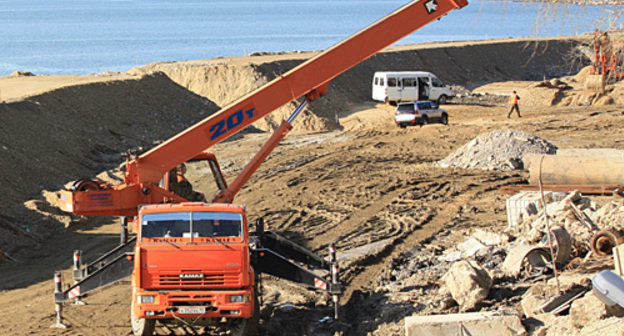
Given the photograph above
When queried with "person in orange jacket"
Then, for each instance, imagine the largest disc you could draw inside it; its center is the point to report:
(513, 101)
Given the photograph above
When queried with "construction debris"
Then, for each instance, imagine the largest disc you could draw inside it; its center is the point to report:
(477, 272)
(468, 284)
(505, 323)
(586, 309)
(603, 241)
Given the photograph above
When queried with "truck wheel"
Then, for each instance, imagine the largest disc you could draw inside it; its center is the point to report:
(444, 119)
(442, 100)
(247, 327)
(141, 326)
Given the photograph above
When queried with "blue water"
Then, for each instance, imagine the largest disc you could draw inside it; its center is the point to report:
(91, 36)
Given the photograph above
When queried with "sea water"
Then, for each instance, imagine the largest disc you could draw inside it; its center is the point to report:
(92, 36)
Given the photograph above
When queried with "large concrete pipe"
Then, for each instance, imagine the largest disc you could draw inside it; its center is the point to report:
(567, 170)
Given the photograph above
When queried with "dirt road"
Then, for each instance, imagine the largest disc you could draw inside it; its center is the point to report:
(371, 185)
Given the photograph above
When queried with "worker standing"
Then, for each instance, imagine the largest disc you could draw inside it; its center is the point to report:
(513, 101)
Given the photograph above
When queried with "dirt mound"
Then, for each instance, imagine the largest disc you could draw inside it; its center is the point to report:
(79, 131)
(566, 91)
(468, 64)
(21, 74)
(497, 150)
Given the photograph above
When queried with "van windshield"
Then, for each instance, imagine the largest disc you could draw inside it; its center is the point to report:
(436, 82)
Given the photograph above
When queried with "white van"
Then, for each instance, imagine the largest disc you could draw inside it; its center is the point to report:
(398, 86)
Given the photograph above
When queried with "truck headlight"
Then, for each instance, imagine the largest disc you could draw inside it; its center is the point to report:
(145, 299)
(239, 298)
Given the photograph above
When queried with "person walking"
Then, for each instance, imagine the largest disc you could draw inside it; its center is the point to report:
(513, 101)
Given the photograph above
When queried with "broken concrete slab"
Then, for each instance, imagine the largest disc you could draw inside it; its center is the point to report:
(468, 284)
(586, 310)
(612, 326)
(490, 238)
(503, 323)
(470, 247)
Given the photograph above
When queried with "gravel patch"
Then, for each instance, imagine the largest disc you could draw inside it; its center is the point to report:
(498, 150)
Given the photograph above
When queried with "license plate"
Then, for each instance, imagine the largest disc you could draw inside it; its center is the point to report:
(191, 310)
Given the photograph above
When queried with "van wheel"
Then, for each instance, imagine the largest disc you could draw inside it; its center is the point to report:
(442, 100)
(424, 121)
(444, 119)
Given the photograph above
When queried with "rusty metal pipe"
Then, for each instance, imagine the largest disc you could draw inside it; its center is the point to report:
(604, 241)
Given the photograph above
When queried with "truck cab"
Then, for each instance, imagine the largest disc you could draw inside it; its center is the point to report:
(192, 262)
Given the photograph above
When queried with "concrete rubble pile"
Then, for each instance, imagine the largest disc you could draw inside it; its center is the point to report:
(497, 150)
(509, 274)
(577, 215)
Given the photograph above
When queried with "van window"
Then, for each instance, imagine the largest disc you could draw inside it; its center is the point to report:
(409, 81)
(392, 82)
(376, 82)
(381, 81)
(405, 108)
(436, 82)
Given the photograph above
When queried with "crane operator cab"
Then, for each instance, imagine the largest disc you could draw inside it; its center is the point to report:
(180, 186)
(206, 178)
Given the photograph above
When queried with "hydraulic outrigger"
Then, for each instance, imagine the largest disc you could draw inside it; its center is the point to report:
(147, 179)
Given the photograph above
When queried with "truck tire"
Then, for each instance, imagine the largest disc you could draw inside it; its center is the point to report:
(141, 326)
(247, 327)
(442, 100)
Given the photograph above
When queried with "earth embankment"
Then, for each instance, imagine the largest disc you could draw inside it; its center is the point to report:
(469, 64)
(55, 134)
(78, 131)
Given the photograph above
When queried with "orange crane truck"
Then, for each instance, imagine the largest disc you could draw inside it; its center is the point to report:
(197, 263)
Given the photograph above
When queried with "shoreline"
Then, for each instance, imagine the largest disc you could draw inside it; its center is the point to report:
(15, 87)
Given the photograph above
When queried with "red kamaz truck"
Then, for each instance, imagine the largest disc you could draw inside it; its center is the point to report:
(196, 263)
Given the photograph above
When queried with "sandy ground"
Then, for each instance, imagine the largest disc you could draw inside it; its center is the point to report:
(369, 183)
(359, 182)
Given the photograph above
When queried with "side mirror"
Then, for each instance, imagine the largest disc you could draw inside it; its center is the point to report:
(259, 227)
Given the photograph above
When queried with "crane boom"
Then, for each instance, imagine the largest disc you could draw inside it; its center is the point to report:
(310, 80)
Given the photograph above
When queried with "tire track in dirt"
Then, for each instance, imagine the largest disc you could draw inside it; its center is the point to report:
(433, 224)
(337, 233)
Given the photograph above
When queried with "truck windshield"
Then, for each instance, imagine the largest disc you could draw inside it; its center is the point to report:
(192, 225)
